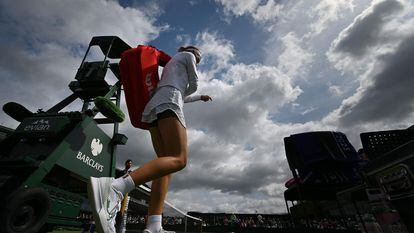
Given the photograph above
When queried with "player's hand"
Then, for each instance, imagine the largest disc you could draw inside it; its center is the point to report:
(206, 98)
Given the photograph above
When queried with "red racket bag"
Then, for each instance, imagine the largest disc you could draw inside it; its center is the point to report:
(139, 77)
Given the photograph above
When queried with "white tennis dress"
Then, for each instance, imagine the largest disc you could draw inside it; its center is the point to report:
(179, 78)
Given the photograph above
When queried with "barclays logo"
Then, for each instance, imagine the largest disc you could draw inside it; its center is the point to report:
(96, 146)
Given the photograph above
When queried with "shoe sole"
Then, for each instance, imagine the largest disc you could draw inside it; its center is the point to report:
(97, 197)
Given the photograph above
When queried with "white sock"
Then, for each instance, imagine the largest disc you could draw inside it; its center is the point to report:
(124, 185)
(154, 223)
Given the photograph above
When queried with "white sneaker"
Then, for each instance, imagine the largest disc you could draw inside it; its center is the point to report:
(160, 231)
(105, 202)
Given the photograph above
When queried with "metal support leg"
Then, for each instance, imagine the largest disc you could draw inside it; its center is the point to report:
(359, 216)
(341, 211)
(290, 215)
(85, 105)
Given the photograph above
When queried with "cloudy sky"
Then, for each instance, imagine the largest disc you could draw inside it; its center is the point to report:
(273, 68)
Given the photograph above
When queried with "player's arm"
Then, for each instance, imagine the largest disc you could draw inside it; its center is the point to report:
(192, 75)
(194, 98)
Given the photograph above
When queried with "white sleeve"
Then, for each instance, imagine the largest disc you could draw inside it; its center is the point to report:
(192, 75)
(192, 98)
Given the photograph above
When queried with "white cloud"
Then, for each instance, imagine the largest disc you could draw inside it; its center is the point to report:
(382, 61)
(369, 36)
(267, 12)
(304, 30)
(183, 39)
(215, 49)
(261, 13)
(328, 11)
(45, 41)
(239, 8)
(309, 110)
(294, 59)
(241, 92)
(335, 90)
(78, 21)
(385, 91)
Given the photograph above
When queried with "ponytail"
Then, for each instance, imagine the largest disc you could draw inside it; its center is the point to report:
(192, 49)
(188, 48)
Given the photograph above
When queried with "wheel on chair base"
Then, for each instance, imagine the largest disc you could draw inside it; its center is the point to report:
(25, 211)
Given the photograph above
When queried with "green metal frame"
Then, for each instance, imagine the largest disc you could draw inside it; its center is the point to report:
(73, 154)
(68, 158)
